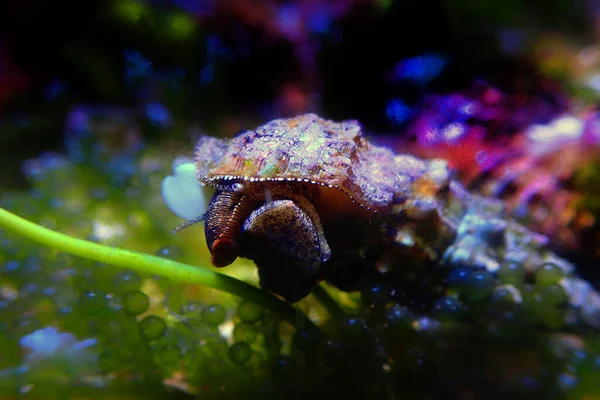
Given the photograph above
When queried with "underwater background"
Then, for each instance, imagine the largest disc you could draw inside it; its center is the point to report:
(98, 98)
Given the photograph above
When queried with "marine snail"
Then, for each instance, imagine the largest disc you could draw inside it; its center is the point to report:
(309, 199)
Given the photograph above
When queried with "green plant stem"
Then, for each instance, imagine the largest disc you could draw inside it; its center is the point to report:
(332, 307)
(154, 265)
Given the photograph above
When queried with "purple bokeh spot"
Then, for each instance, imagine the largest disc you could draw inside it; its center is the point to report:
(481, 157)
(397, 111)
(136, 65)
(420, 69)
(11, 265)
(215, 49)
(195, 6)
(512, 40)
(207, 74)
(54, 90)
(289, 21)
(158, 115)
(78, 121)
(320, 22)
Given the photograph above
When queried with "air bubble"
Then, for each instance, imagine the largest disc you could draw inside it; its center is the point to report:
(213, 314)
(152, 327)
(458, 278)
(548, 274)
(135, 302)
(250, 313)
(479, 285)
(240, 352)
(244, 333)
(551, 295)
(505, 298)
(512, 272)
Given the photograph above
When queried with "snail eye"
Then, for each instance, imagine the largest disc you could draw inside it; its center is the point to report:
(237, 187)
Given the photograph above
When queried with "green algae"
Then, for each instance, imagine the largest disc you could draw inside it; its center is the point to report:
(192, 341)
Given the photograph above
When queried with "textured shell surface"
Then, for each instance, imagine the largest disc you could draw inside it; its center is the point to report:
(311, 148)
(409, 223)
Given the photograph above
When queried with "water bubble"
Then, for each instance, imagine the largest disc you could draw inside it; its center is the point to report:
(458, 278)
(551, 295)
(512, 272)
(244, 333)
(479, 285)
(250, 313)
(506, 297)
(191, 308)
(152, 327)
(548, 274)
(135, 302)
(213, 314)
(240, 352)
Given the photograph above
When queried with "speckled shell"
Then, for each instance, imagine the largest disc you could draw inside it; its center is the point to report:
(311, 148)
(418, 218)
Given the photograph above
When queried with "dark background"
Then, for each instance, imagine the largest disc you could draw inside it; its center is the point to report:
(57, 54)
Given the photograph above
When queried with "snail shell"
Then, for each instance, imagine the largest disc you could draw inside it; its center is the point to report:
(309, 199)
